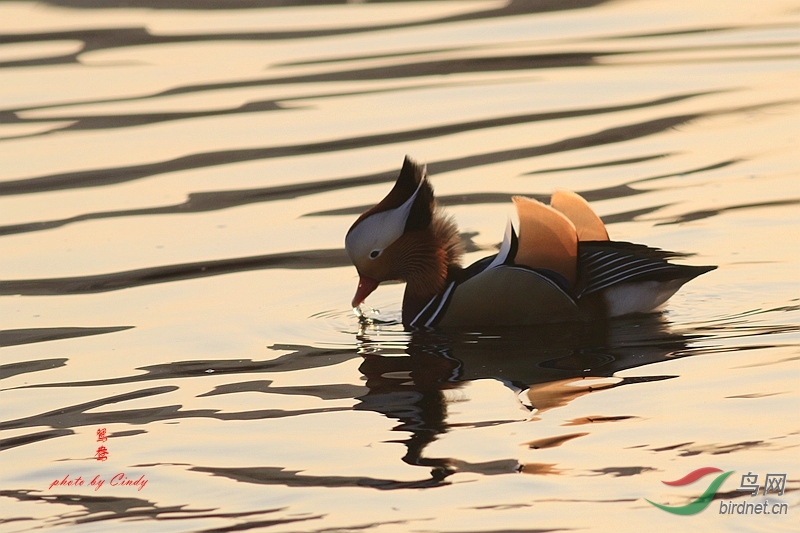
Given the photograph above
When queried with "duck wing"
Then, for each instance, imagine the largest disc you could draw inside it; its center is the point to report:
(630, 277)
(603, 264)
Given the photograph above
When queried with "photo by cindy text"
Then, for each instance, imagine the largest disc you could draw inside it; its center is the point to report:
(97, 481)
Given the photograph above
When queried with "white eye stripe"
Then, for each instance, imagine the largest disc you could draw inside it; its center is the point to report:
(378, 231)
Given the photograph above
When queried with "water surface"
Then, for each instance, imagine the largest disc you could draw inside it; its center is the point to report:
(177, 179)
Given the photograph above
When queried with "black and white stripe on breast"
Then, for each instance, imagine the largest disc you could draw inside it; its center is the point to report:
(434, 309)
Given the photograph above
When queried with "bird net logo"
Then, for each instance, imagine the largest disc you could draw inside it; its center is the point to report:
(773, 483)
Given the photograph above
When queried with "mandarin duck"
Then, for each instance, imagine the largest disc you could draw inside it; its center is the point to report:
(560, 266)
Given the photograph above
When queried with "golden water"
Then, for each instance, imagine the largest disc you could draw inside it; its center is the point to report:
(175, 184)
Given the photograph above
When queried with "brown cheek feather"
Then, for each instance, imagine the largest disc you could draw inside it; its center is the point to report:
(418, 260)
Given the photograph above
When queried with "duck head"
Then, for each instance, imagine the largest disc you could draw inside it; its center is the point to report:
(404, 238)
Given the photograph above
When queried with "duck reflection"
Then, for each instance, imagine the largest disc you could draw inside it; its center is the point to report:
(546, 366)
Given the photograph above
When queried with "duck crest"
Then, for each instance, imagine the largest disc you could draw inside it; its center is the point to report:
(410, 183)
(378, 228)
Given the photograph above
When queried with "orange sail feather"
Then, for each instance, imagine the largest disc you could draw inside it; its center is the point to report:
(547, 239)
(587, 224)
